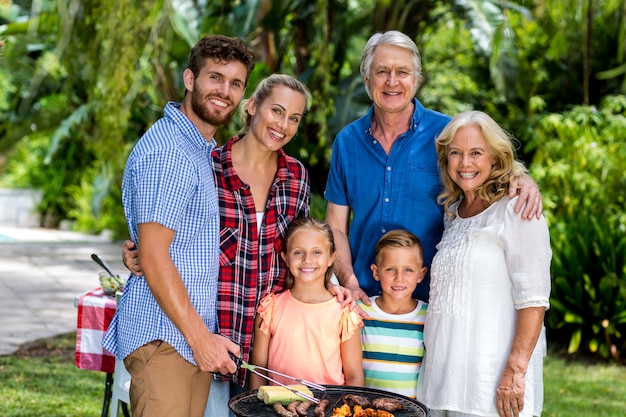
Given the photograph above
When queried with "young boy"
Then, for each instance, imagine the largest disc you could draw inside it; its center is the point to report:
(392, 336)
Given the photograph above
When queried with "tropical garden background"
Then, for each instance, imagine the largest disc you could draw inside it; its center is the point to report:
(81, 80)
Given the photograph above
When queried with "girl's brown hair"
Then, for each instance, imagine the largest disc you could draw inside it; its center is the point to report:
(312, 223)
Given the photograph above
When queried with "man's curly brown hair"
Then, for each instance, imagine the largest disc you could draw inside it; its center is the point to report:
(222, 49)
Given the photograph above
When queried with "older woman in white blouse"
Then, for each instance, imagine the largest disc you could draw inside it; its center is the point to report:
(490, 283)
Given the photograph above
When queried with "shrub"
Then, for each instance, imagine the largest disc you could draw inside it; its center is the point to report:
(578, 165)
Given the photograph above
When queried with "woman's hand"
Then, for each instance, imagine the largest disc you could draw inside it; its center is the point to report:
(131, 258)
(510, 393)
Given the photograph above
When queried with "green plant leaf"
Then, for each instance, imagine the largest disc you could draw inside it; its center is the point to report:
(574, 342)
(186, 20)
(571, 317)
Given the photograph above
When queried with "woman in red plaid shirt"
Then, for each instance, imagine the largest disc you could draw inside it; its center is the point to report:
(261, 190)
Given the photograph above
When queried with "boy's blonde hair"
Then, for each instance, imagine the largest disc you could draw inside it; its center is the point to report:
(398, 239)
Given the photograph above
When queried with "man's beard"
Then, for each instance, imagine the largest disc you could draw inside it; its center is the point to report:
(198, 105)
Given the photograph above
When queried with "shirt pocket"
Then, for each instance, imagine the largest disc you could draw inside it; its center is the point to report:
(229, 245)
(278, 230)
(422, 181)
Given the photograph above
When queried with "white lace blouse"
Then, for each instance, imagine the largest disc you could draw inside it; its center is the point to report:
(487, 267)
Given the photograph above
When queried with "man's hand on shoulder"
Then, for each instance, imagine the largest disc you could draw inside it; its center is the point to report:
(529, 197)
(346, 298)
(358, 294)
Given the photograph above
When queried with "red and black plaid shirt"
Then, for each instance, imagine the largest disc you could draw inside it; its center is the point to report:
(250, 262)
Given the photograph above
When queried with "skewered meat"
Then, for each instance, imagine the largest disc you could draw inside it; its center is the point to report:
(293, 407)
(303, 407)
(354, 399)
(320, 409)
(387, 404)
(281, 411)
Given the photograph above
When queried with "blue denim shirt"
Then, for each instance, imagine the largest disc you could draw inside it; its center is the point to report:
(386, 192)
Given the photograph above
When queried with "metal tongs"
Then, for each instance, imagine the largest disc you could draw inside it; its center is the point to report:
(254, 368)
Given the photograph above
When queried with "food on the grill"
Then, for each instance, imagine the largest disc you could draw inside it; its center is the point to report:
(387, 404)
(320, 409)
(354, 399)
(359, 411)
(361, 406)
(303, 407)
(270, 394)
(281, 411)
(342, 411)
(292, 407)
(289, 404)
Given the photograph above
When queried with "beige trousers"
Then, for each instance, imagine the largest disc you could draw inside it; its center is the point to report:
(164, 384)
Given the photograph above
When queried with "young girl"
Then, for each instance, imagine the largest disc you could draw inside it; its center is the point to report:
(304, 331)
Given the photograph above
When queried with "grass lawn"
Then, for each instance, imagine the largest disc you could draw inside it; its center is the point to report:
(44, 381)
(583, 389)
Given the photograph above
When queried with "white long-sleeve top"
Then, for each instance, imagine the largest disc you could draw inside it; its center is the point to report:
(487, 267)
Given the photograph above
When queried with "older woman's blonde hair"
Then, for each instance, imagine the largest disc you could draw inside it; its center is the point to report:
(502, 147)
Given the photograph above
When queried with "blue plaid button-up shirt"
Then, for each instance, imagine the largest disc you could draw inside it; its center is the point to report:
(168, 180)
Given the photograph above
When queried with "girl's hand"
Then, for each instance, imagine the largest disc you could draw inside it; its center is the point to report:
(344, 296)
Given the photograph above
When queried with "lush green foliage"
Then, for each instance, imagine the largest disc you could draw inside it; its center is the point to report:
(80, 81)
(94, 96)
(74, 101)
(578, 163)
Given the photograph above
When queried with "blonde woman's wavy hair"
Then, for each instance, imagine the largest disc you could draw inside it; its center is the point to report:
(265, 88)
(502, 146)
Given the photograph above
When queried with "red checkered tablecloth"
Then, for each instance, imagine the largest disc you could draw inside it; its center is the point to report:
(95, 312)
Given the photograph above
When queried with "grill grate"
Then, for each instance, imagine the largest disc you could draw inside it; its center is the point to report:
(247, 404)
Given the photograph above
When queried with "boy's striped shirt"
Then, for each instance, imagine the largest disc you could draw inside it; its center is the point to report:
(393, 347)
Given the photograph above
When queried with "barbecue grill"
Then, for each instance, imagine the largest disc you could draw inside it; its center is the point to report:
(247, 404)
